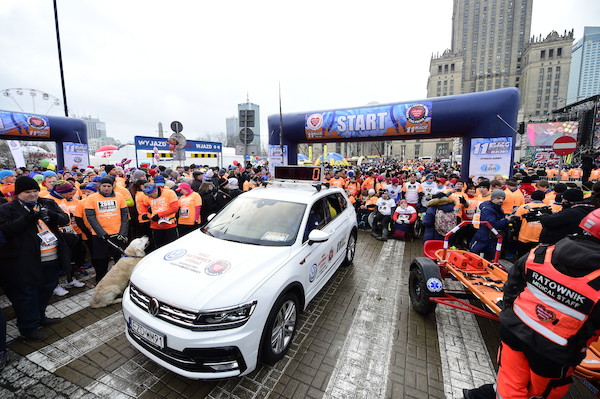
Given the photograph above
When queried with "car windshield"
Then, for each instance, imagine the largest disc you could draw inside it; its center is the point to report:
(258, 221)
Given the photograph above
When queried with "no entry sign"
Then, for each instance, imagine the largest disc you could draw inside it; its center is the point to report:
(564, 145)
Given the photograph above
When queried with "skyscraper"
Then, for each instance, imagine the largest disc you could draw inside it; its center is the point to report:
(488, 41)
(584, 78)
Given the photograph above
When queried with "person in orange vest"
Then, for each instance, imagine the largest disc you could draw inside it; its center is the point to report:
(160, 206)
(63, 193)
(8, 178)
(189, 209)
(338, 180)
(353, 186)
(49, 178)
(368, 183)
(550, 314)
(529, 233)
(107, 214)
(514, 197)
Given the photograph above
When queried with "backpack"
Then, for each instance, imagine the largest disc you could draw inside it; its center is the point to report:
(444, 221)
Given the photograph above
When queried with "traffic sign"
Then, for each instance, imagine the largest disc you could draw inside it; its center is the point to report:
(176, 126)
(564, 145)
(246, 138)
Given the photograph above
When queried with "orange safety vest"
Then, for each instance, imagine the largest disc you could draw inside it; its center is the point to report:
(553, 304)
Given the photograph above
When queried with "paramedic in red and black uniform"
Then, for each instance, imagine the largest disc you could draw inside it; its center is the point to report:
(550, 316)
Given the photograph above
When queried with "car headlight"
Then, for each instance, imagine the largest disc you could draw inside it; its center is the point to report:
(222, 319)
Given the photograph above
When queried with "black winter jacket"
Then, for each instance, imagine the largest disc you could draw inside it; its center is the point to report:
(20, 258)
(575, 256)
(557, 226)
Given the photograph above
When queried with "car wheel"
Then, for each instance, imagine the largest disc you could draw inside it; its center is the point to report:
(418, 292)
(350, 250)
(280, 329)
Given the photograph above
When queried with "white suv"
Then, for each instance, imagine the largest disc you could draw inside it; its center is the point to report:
(214, 302)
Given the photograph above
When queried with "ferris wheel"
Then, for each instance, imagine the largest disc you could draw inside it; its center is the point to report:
(32, 101)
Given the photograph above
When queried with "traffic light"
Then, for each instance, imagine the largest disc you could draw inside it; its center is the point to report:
(246, 118)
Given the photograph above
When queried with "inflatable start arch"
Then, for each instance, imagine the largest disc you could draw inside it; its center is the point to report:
(486, 121)
(70, 134)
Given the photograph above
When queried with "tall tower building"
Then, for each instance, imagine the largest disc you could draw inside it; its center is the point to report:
(490, 37)
(584, 78)
(545, 74)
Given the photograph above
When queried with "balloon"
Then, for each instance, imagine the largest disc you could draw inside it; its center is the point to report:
(241, 169)
(52, 166)
(38, 178)
(235, 163)
(44, 163)
(256, 158)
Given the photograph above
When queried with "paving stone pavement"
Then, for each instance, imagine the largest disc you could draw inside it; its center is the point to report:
(359, 338)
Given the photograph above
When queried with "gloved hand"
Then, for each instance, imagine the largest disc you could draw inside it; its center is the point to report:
(122, 238)
(145, 217)
(33, 216)
(462, 200)
(155, 218)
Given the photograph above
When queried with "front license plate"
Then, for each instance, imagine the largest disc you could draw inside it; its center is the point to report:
(147, 334)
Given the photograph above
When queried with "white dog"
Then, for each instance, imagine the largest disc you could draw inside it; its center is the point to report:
(110, 289)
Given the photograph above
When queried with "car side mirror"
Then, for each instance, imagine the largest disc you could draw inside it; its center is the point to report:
(318, 236)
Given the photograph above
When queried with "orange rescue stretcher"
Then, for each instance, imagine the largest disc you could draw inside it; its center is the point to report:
(481, 279)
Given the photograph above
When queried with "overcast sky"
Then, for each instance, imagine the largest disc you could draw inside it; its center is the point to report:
(135, 63)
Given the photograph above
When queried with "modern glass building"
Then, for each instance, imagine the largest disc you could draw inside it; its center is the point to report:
(584, 77)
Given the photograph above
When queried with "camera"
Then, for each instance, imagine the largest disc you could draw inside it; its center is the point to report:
(535, 214)
(43, 212)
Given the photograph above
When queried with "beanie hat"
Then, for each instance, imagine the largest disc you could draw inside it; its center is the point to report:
(223, 182)
(153, 172)
(498, 194)
(371, 191)
(107, 180)
(429, 176)
(233, 183)
(159, 180)
(560, 187)
(573, 195)
(92, 187)
(442, 180)
(108, 168)
(170, 183)
(197, 173)
(102, 174)
(62, 187)
(25, 183)
(208, 175)
(395, 181)
(5, 173)
(138, 174)
(538, 195)
(49, 173)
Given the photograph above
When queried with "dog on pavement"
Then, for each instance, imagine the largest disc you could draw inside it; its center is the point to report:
(110, 289)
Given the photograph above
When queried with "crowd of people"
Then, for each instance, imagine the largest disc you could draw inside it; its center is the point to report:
(56, 222)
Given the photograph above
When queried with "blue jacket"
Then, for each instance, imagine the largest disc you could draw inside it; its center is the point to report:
(492, 213)
(445, 204)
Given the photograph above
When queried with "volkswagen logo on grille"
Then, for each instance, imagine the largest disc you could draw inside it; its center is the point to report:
(153, 307)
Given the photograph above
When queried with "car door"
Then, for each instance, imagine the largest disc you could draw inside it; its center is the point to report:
(339, 225)
(313, 258)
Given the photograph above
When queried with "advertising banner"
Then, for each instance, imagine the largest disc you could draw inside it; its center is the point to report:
(17, 153)
(490, 157)
(276, 158)
(378, 121)
(75, 154)
(23, 125)
(155, 150)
